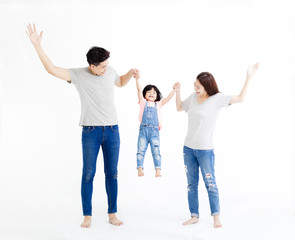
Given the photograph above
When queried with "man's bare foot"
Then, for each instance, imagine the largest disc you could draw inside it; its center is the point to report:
(217, 223)
(114, 220)
(191, 221)
(87, 222)
(140, 172)
(158, 172)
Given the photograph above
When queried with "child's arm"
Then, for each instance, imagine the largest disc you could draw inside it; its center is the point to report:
(139, 91)
(250, 73)
(167, 99)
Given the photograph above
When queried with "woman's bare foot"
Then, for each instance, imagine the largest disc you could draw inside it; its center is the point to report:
(191, 221)
(140, 172)
(217, 223)
(87, 222)
(158, 172)
(114, 220)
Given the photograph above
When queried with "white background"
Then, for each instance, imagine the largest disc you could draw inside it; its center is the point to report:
(169, 41)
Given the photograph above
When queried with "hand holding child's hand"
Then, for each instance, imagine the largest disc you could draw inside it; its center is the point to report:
(136, 73)
(176, 86)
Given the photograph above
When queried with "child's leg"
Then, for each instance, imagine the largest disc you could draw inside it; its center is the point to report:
(141, 150)
(155, 148)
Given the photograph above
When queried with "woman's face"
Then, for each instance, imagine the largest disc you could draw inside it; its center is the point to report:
(200, 90)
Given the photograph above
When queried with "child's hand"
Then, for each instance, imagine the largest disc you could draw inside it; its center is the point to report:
(136, 74)
(176, 86)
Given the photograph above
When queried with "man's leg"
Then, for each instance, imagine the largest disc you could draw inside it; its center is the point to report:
(111, 148)
(90, 144)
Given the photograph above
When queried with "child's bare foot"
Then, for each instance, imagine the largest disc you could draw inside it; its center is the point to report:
(140, 172)
(158, 172)
(87, 222)
(191, 221)
(217, 223)
(114, 220)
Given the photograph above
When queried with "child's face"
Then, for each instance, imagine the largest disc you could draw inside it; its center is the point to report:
(151, 95)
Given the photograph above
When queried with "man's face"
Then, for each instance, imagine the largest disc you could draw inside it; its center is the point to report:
(100, 69)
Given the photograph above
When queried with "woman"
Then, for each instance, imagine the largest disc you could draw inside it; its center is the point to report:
(203, 107)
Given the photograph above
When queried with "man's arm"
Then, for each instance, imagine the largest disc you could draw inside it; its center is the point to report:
(35, 38)
(124, 79)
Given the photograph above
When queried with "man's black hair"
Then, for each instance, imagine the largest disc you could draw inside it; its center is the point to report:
(96, 55)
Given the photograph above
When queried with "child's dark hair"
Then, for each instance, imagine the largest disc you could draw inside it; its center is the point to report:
(96, 55)
(150, 87)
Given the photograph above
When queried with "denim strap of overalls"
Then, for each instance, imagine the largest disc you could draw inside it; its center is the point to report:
(150, 116)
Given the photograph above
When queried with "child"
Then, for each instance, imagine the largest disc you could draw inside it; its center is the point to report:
(150, 104)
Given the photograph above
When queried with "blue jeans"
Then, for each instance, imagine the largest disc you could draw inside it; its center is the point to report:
(205, 159)
(109, 139)
(148, 135)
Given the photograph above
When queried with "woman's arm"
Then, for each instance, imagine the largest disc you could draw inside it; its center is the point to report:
(250, 73)
(168, 98)
(178, 98)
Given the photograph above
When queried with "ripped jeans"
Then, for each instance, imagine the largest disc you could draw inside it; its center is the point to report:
(205, 159)
(148, 135)
(109, 139)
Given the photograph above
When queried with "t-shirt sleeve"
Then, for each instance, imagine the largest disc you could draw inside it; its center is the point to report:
(187, 102)
(73, 75)
(115, 74)
(223, 100)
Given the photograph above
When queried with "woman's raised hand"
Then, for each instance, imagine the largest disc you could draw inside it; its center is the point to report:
(33, 34)
(252, 70)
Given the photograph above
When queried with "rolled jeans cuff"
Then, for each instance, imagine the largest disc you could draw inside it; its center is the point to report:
(195, 215)
(215, 214)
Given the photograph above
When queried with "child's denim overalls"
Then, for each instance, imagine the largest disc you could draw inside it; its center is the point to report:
(149, 134)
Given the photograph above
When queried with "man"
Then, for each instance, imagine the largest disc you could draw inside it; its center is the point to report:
(95, 85)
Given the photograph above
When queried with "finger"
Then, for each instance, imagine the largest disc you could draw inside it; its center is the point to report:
(256, 66)
(41, 34)
(30, 28)
(34, 27)
(27, 33)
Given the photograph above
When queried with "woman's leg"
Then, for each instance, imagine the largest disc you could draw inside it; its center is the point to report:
(192, 173)
(206, 159)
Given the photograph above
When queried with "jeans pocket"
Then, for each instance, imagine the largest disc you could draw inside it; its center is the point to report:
(88, 129)
(115, 128)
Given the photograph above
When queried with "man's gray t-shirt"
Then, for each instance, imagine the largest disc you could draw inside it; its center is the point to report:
(202, 119)
(96, 96)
